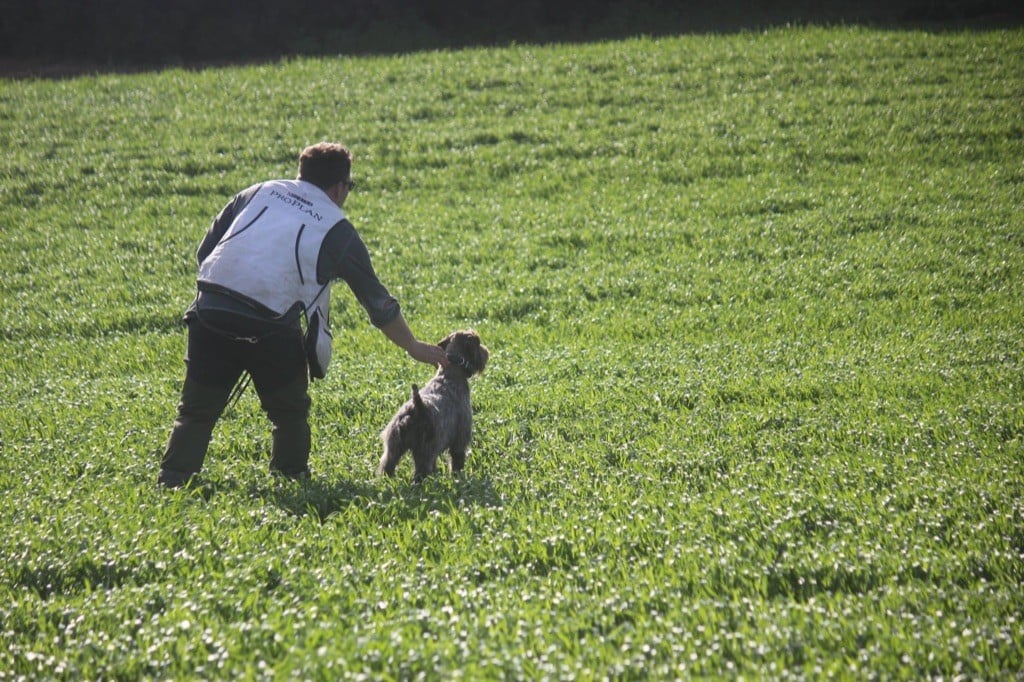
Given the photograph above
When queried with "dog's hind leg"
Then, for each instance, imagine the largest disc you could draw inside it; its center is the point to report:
(393, 451)
(426, 461)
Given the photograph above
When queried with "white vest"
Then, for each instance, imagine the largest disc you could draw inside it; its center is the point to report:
(269, 252)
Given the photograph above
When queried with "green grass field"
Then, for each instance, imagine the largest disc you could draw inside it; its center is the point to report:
(755, 405)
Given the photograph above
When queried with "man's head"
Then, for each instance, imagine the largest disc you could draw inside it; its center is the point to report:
(328, 165)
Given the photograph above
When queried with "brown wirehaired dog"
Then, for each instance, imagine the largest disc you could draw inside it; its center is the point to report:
(440, 417)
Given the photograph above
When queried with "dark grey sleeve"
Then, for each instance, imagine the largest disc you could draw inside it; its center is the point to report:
(223, 221)
(343, 255)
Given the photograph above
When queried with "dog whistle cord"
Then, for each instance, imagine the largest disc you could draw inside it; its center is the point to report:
(237, 391)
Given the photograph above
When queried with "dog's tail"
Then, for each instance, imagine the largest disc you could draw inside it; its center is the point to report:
(420, 414)
(417, 401)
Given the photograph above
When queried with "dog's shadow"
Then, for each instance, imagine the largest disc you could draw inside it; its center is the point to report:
(325, 498)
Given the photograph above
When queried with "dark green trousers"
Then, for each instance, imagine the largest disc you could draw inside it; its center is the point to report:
(214, 362)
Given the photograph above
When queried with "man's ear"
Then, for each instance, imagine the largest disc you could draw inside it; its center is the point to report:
(334, 192)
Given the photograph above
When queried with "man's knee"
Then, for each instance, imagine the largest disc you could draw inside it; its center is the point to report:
(201, 403)
(287, 406)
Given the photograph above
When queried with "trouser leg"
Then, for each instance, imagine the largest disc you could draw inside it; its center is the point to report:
(279, 374)
(212, 368)
(288, 411)
(198, 411)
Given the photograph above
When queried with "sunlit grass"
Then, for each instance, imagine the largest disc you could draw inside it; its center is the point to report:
(754, 405)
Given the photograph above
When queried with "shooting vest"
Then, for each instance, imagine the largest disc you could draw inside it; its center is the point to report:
(269, 252)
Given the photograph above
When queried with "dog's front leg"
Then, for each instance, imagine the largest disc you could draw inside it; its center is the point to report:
(458, 459)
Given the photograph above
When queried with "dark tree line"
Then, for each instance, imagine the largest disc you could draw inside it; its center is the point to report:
(184, 31)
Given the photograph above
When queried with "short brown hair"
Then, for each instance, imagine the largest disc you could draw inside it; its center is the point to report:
(325, 164)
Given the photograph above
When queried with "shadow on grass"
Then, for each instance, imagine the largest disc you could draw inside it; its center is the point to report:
(324, 498)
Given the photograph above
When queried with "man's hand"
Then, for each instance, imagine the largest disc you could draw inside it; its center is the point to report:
(400, 334)
(428, 353)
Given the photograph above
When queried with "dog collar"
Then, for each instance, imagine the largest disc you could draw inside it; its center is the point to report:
(459, 361)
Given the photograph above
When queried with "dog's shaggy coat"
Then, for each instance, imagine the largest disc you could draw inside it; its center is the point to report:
(439, 417)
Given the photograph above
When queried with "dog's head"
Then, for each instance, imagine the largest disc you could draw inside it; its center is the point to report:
(464, 350)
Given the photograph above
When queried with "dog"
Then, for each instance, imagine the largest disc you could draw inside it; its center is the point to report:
(440, 417)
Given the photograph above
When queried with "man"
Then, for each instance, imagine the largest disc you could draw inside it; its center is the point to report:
(269, 258)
